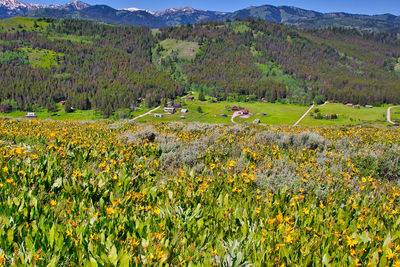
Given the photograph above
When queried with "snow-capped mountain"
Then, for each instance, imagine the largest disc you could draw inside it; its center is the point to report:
(134, 9)
(9, 8)
(75, 5)
(178, 16)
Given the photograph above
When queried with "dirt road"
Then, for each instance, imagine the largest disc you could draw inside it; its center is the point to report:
(305, 114)
(389, 115)
(145, 114)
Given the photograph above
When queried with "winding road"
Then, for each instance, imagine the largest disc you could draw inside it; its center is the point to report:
(145, 114)
(234, 115)
(389, 115)
(305, 114)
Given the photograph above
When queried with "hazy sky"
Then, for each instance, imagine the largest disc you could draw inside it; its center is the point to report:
(351, 6)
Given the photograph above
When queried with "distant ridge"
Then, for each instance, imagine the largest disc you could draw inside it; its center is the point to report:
(178, 16)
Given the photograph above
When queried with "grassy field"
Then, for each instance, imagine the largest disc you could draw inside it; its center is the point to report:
(347, 115)
(26, 24)
(276, 114)
(183, 49)
(60, 115)
(395, 114)
(41, 57)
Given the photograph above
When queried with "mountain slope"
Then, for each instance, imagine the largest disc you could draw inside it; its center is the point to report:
(102, 13)
(180, 16)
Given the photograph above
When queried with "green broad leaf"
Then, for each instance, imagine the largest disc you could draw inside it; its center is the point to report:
(200, 223)
(239, 258)
(53, 262)
(16, 201)
(93, 262)
(51, 236)
(113, 255)
(375, 258)
(388, 240)
(10, 235)
(383, 262)
(364, 237)
(124, 261)
(326, 259)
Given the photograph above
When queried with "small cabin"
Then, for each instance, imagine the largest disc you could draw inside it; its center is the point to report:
(169, 110)
(256, 121)
(356, 106)
(235, 108)
(184, 110)
(62, 103)
(263, 114)
(245, 111)
(182, 117)
(368, 106)
(349, 105)
(263, 100)
(158, 115)
(191, 98)
(176, 105)
(31, 115)
(224, 115)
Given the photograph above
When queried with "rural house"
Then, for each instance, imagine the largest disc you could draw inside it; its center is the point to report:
(31, 115)
(169, 110)
(177, 105)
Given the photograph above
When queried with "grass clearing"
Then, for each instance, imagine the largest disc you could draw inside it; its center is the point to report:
(276, 114)
(77, 115)
(181, 49)
(347, 115)
(239, 27)
(22, 23)
(42, 57)
(395, 114)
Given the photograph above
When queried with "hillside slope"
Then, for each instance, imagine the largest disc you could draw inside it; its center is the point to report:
(93, 65)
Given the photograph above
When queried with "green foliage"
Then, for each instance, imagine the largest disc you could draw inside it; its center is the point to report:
(9, 56)
(42, 58)
(90, 194)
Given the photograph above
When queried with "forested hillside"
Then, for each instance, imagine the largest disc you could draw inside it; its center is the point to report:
(103, 67)
(88, 64)
(275, 61)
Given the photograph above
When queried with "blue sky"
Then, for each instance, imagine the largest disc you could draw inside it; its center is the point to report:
(351, 6)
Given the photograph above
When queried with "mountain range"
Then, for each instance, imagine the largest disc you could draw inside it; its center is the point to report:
(178, 16)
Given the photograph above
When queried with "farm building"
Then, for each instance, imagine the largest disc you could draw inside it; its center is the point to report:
(263, 100)
(184, 110)
(235, 108)
(349, 105)
(177, 105)
(169, 110)
(182, 117)
(356, 106)
(191, 98)
(158, 115)
(245, 111)
(31, 115)
(368, 106)
(263, 114)
(256, 121)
